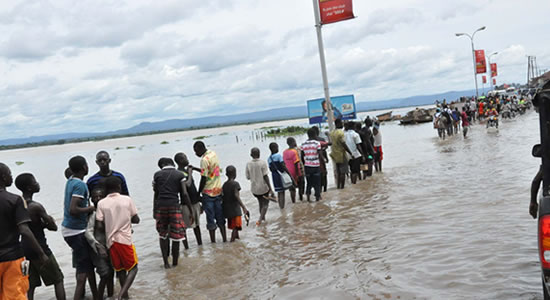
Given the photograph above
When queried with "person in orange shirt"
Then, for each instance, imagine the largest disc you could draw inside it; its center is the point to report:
(481, 110)
(14, 222)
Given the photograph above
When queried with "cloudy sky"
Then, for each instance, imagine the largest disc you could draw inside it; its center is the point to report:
(93, 66)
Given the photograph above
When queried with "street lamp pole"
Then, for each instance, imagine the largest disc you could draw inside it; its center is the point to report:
(490, 70)
(330, 113)
(473, 53)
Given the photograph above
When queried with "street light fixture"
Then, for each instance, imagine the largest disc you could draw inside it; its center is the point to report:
(490, 71)
(473, 52)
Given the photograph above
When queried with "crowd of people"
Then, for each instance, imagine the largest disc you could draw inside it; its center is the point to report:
(99, 214)
(449, 119)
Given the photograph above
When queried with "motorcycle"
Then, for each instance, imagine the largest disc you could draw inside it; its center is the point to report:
(492, 121)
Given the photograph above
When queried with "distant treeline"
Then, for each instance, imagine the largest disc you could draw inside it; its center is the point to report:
(100, 137)
(117, 136)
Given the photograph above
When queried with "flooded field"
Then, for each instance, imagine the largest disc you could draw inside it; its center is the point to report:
(445, 220)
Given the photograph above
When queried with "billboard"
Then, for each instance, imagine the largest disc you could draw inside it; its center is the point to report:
(343, 107)
(494, 81)
(481, 65)
(484, 78)
(333, 11)
(494, 70)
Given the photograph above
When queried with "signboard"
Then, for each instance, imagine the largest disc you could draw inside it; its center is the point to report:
(494, 70)
(494, 81)
(333, 11)
(484, 79)
(343, 107)
(481, 65)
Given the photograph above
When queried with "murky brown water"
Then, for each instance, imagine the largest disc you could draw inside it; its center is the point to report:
(445, 220)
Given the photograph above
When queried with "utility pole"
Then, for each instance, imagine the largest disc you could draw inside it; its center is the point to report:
(330, 113)
(532, 69)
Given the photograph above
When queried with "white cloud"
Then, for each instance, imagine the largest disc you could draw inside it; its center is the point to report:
(65, 65)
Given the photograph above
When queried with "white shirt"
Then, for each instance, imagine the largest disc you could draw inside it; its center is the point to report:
(436, 116)
(67, 232)
(378, 139)
(352, 139)
(255, 172)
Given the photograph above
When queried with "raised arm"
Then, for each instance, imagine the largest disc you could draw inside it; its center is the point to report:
(76, 210)
(38, 212)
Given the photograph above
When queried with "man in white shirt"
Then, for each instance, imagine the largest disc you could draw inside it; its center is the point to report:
(353, 141)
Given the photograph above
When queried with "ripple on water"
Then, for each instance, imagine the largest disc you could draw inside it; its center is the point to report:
(446, 220)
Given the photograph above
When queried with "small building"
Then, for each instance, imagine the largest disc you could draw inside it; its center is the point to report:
(538, 82)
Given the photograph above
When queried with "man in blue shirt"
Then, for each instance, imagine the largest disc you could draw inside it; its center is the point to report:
(103, 161)
(75, 218)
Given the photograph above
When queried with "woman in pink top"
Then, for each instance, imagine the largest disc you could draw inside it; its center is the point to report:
(294, 166)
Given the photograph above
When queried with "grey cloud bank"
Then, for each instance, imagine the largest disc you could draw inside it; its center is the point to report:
(92, 66)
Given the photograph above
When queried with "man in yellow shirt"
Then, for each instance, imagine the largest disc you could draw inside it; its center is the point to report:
(338, 153)
(211, 189)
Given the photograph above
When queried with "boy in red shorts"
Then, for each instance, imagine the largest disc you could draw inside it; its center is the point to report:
(231, 203)
(116, 213)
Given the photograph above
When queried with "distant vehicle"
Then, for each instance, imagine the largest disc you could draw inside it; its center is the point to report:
(511, 91)
(497, 93)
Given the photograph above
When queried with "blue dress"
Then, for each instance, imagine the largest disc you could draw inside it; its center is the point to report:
(276, 165)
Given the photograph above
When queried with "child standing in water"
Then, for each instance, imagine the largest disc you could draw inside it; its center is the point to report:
(49, 273)
(277, 166)
(98, 241)
(256, 172)
(232, 203)
(294, 165)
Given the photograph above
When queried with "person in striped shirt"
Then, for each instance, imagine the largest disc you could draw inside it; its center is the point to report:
(311, 156)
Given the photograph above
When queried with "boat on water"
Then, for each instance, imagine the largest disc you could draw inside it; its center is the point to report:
(417, 116)
(384, 117)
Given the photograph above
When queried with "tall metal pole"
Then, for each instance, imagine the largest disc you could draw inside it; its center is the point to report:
(474, 60)
(473, 52)
(330, 113)
(490, 72)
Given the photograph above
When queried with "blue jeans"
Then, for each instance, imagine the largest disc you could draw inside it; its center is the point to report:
(214, 214)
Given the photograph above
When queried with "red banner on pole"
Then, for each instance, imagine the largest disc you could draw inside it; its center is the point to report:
(333, 11)
(494, 81)
(484, 79)
(481, 65)
(494, 70)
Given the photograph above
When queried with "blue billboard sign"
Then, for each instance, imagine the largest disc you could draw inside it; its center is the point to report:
(343, 107)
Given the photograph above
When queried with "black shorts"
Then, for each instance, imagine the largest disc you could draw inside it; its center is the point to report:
(49, 272)
(82, 253)
(355, 165)
(262, 200)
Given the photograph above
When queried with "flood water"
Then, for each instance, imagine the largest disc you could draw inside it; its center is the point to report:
(445, 220)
